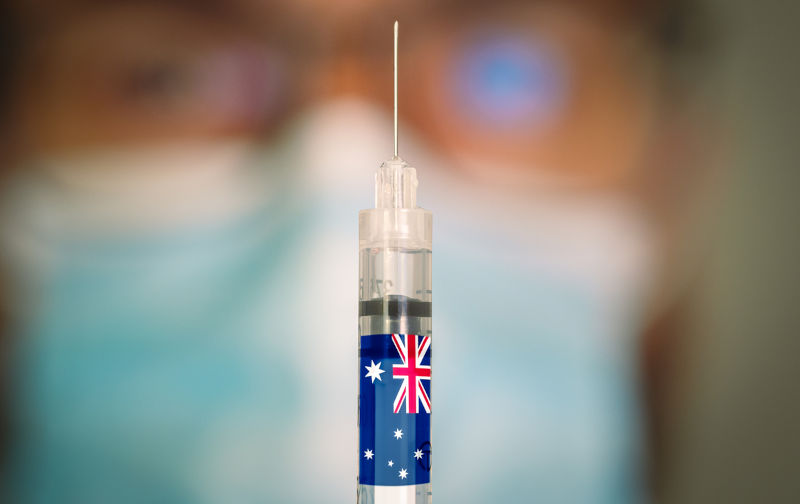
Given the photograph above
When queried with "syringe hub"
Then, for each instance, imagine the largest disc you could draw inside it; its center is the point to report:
(396, 185)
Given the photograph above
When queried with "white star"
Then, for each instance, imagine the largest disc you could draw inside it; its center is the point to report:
(418, 454)
(403, 474)
(374, 371)
(368, 454)
(391, 463)
(398, 434)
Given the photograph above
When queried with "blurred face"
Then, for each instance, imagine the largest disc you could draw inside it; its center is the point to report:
(171, 253)
(527, 91)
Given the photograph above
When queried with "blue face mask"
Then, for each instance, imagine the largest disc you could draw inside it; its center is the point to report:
(211, 360)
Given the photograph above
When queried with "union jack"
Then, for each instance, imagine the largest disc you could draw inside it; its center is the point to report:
(411, 351)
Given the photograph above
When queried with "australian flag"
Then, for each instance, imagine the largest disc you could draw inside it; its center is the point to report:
(395, 410)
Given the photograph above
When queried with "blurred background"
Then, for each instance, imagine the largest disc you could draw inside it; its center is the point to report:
(615, 242)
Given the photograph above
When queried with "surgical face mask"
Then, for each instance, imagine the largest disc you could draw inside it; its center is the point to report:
(536, 312)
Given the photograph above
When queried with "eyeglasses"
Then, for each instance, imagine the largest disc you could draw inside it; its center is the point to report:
(543, 84)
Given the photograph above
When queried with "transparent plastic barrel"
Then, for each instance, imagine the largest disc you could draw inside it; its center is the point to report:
(395, 299)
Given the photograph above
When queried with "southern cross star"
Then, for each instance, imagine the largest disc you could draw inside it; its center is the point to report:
(403, 474)
(374, 371)
(391, 463)
(368, 454)
(418, 454)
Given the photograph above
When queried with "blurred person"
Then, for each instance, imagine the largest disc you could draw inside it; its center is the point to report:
(179, 229)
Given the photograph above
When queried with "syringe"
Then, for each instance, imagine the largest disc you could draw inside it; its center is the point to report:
(394, 326)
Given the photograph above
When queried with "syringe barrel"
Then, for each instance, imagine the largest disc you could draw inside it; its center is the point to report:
(395, 342)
